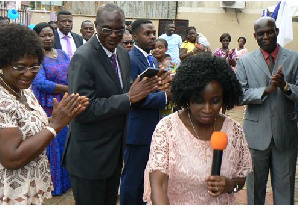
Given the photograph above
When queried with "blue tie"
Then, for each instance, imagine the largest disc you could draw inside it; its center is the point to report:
(150, 59)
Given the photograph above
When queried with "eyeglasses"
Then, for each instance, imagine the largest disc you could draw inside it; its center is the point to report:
(23, 69)
(128, 42)
(108, 31)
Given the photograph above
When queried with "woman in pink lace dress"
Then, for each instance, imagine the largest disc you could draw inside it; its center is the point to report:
(179, 167)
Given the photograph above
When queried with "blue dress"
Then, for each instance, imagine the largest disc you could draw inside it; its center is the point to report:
(54, 71)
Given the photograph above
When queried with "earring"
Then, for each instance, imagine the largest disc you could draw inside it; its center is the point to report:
(1, 71)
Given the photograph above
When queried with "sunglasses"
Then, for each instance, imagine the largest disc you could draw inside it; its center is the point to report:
(108, 31)
(128, 42)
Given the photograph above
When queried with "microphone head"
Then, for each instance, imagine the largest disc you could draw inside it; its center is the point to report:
(218, 141)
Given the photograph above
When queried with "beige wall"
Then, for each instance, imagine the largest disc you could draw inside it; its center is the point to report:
(210, 22)
(213, 25)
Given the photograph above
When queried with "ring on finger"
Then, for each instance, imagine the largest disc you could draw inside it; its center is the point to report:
(217, 189)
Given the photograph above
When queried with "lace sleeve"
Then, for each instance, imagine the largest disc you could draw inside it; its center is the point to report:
(244, 165)
(159, 149)
(8, 115)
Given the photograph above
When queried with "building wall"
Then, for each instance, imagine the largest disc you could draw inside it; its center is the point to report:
(207, 16)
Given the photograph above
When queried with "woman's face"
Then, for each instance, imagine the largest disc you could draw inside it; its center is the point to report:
(192, 35)
(160, 50)
(47, 37)
(206, 107)
(225, 42)
(20, 79)
(241, 42)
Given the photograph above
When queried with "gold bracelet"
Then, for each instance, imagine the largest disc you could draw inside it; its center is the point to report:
(286, 87)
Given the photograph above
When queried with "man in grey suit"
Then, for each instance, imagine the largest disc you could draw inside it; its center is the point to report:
(269, 78)
(100, 70)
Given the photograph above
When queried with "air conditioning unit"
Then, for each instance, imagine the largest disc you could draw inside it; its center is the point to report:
(233, 4)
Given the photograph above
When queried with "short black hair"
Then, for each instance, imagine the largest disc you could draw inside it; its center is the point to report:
(196, 72)
(224, 35)
(163, 41)
(38, 28)
(242, 38)
(190, 28)
(85, 21)
(63, 12)
(16, 41)
(136, 25)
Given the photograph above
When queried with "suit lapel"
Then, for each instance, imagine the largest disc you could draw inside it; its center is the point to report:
(107, 63)
(281, 58)
(141, 57)
(261, 63)
(120, 56)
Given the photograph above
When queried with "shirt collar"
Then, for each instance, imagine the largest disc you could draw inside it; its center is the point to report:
(61, 35)
(108, 53)
(274, 53)
(142, 51)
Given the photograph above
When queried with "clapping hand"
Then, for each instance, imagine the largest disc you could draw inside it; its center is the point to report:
(66, 110)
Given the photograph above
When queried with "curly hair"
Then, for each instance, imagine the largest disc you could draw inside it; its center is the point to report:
(16, 41)
(224, 35)
(196, 72)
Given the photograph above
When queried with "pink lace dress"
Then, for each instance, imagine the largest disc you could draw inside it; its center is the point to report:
(30, 184)
(177, 153)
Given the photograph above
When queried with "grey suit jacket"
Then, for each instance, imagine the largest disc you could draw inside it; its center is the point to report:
(96, 137)
(274, 114)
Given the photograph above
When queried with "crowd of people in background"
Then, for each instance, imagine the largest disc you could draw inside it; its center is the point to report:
(75, 113)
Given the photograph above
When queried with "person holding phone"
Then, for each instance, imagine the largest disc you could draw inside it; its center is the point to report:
(142, 117)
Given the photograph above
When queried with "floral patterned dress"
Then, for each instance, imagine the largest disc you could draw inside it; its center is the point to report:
(187, 161)
(54, 71)
(30, 184)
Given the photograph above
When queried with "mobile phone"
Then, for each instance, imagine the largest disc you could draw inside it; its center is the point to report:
(149, 72)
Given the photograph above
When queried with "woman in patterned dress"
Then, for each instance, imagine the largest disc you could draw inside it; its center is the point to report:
(179, 168)
(224, 52)
(25, 129)
(52, 82)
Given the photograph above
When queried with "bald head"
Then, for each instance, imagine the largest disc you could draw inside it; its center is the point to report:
(263, 21)
(265, 33)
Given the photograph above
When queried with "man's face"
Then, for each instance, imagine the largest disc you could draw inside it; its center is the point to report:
(110, 29)
(65, 23)
(145, 38)
(127, 42)
(87, 30)
(265, 33)
(170, 29)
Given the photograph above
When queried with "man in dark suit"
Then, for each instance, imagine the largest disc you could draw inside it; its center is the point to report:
(269, 78)
(100, 70)
(143, 119)
(65, 39)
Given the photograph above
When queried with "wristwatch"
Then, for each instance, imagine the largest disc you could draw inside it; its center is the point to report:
(287, 89)
(235, 188)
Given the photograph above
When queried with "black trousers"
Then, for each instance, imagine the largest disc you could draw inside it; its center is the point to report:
(96, 192)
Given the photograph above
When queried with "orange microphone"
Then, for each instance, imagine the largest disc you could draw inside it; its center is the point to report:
(218, 142)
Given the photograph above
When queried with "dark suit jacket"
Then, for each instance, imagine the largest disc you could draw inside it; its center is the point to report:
(77, 39)
(97, 136)
(143, 119)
